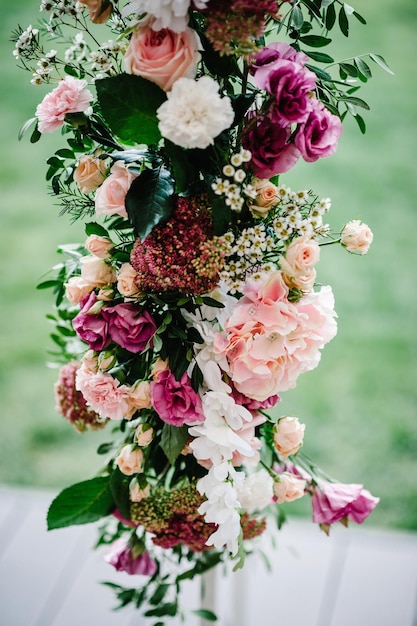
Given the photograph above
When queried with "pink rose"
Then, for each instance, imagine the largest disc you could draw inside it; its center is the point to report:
(288, 488)
(128, 558)
(90, 172)
(103, 393)
(90, 326)
(318, 135)
(130, 327)
(71, 96)
(301, 256)
(268, 143)
(175, 401)
(266, 197)
(356, 237)
(333, 502)
(100, 247)
(162, 56)
(110, 196)
(130, 460)
(288, 436)
(126, 280)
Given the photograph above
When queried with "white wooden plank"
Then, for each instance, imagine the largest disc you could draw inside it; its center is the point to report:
(379, 582)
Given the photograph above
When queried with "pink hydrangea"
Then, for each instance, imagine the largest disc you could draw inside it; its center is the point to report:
(269, 341)
(103, 393)
(71, 96)
(333, 502)
(129, 326)
(123, 557)
(175, 401)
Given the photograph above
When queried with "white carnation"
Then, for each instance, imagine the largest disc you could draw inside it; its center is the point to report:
(257, 491)
(171, 14)
(194, 113)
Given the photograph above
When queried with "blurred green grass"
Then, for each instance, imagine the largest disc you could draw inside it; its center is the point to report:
(360, 403)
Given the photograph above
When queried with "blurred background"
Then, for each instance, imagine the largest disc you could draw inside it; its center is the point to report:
(360, 404)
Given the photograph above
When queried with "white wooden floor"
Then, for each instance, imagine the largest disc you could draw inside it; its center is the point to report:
(356, 577)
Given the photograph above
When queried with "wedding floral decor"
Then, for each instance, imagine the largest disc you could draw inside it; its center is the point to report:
(193, 303)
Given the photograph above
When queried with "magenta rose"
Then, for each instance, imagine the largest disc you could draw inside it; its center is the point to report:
(271, 152)
(318, 135)
(333, 502)
(123, 558)
(130, 327)
(254, 405)
(291, 85)
(175, 401)
(91, 327)
(268, 59)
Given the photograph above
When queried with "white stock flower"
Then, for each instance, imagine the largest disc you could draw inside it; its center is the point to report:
(257, 491)
(215, 441)
(194, 113)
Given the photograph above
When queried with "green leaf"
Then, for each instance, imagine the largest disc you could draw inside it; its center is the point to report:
(104, 448)
(81, 503)
(361, 123)
(65, 153)
(349, 69)
(363, 67)
(173, 440)
(92, 228)
(320, 73)
(205, 614)
(36, 135)
(169, 608)
(315, 41)
(326, 3)
(379, 60)
(119, 487)
(149, 200)
(26, 126)
(320, 57)
(359, 17)
(47, 284)
(343, 21)
(159, 594)
(355, 101)
(183, 170)
(128, 104)
(296, 19)
(330, 17)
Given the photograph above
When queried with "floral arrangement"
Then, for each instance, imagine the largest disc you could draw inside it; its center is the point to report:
(193, 303)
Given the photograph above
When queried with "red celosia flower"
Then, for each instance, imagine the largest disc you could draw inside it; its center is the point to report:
(181, 254)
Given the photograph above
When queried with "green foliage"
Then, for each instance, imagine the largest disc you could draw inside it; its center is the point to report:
(81, 503)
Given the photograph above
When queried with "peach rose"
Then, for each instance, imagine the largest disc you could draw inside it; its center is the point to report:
(266, 197)
(98, 246)
(139, 397)
(288, 488)
(356, 237)
(305, 283)
(136, 493)
(90, 172)
(90, 362)
(162, 56)
(97, 272)
(300, 257)
(159, 367)
(99, 10)
(288, 436)
(126, 280)
(130, 460)
(143, 434)
(110, 196)
(76, 288)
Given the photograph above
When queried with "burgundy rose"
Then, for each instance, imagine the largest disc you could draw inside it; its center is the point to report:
(271, 152)
(175, 401)
(318, 136)
(90, 326)
(291, 85)
(129, 326)
(131, 558)
(333, 502)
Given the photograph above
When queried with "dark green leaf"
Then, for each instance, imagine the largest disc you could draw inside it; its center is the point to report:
(315, 41)
(173, 440)
(355, 101)
(205, 614)
(361, 123)
(81, 503)
(56, 187)
(92, 228)
(377, 58)
(359, 17)
(128, 104)
(26, 126)
(55, 162)
(36, 135)
(182, 168)
(149, 200)
(296, 19)
(343, 21)
(330, 17)
(320, 73)
(349, 69)
(47, 284)
(326, 3)
(196, 378)
(320, 57)
(169, 608)
(71, 71)
(119, 487)
(104, 448)
(159, 594)
(65, 153)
